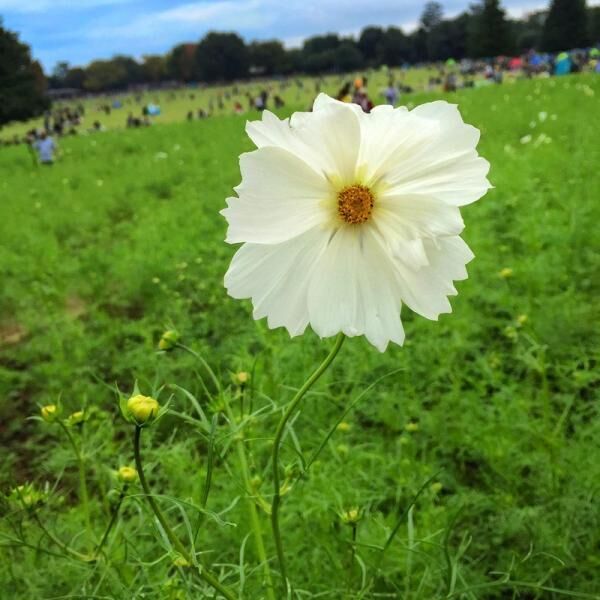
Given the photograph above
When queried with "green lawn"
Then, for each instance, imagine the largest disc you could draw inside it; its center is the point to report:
(494, 408)
(175, 104)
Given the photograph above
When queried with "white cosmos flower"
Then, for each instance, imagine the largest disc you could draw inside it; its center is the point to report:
(345, 215)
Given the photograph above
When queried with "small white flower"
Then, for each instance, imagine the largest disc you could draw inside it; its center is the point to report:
(345, 215)
(526, 139)
(160, 156)
(542, 116)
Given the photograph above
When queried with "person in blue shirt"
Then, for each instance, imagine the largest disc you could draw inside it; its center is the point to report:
(45, 147)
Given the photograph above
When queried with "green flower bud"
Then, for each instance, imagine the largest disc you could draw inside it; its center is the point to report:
(168, 340)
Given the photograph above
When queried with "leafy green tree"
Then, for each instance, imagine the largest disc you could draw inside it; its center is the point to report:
(222, 57)
(432, 16)
(566, 26)
(489, 30)
(369, 43)
(75, 78)
(348, 57)
(448, 39)
(103, 75)
(320, 53)
(268, 57)
(418, 46)
(527, 32)
(154, 68)
(181, 63)
(394, 47)
(594, 24)
(22, 81)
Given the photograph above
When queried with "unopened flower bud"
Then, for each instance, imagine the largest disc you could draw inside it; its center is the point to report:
(241, 378)
(181, 562)
(49, 413)
(351, 516)
(168, 340)
(142, 408)
(76, 418)
(113, 497)
(436, 487)
(127, 474)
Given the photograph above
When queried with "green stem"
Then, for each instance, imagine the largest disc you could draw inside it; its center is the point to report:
(112, 521)
(276, 502)
(58, 542)
(83, 490)
(208, 368)
(253, 513)
(204, 573)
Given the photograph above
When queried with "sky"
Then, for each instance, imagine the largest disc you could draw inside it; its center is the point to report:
(79, 31)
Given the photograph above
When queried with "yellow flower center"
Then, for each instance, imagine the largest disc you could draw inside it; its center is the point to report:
(355, 204)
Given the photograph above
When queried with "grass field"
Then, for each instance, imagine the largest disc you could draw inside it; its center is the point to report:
(493, 409)
(297, 93)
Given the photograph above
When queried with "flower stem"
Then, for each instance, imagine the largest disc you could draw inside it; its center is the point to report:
(205, 574)
(83, 490)
(253, 513)
(203, 362)
(58, 542)
(112, 521)
(276, 502)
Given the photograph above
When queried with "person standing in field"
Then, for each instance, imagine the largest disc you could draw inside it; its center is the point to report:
(45, 147)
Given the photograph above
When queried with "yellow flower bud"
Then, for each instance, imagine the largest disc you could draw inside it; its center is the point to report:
(168, 340)
(127, 474)
(411, 427)
(142, 408)
(351, 516)
(344, 427)
(436, 487)
(49, 412)
(506, 273)
(241, 378)
(76, 418)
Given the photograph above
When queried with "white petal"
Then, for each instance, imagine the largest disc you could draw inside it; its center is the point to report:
(415, 216)
(353, 290)
(280, 197)
(332, 133)
(327, 139)
(438, 158)
(425, 291)
(278, 133)
(276, 278)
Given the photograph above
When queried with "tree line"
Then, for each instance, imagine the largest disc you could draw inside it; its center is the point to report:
(482, 31)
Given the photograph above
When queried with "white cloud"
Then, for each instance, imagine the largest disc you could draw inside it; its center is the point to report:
(36, 6)
(197, 16)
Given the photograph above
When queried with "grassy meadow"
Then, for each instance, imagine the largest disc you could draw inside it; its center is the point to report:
(217, 100)
(473, 457)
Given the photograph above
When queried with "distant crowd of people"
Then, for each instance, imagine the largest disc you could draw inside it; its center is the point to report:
(451, 75)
